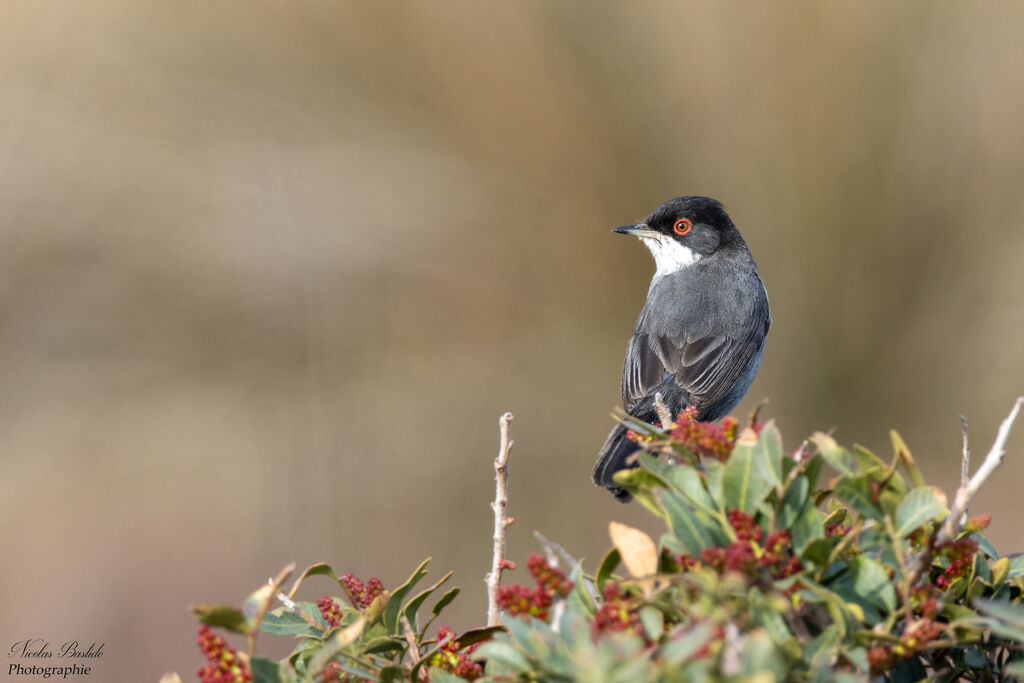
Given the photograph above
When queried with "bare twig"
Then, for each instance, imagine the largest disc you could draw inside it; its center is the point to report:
(988, 466)
(410, 638)
(501, 522)
(969, 487)
(965, 465)
(664, 414)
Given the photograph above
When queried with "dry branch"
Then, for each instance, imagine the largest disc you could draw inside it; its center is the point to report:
(954, 522)
(501, 521)
(967, 491)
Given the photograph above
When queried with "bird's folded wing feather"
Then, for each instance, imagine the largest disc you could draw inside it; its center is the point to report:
(705, 368)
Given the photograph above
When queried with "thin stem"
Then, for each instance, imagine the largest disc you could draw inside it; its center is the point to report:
(957, 514)
(501, 521)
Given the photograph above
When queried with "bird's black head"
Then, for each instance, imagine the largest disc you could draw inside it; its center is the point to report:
(683, 230)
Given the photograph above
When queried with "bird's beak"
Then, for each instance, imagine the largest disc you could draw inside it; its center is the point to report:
(638, 230)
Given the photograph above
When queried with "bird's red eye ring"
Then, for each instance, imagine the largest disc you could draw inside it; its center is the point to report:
(682, 226)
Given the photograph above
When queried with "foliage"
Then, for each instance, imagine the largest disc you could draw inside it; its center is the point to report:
(769, 569)
(364, 633)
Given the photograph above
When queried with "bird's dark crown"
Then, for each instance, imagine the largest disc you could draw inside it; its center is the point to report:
(711, 224)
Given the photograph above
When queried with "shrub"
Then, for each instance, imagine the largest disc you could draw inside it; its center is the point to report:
(769, 569)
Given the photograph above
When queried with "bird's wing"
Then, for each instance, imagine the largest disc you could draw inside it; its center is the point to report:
(706, 368)
(644, 369)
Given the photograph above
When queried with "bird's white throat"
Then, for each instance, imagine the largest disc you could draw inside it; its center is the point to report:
(669, 255)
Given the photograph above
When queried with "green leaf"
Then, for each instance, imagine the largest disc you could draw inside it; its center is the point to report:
(383, 645)
(981, 568)
(349, 667)
(579, 594)
(264, 670)
(1009, 613)
(393, 674)
(688, 483)
(812, 468)
(807, 527)
(920, 506)
(681, 648)
(793, 502)
(503, 653)
(608, 564)
(744, 486)
(641, 484)
(342, 638)
(478, 635)
(258, 602)
(311, 610)
(769, 454)
(872, 583)
(439, 675)
(866, 460)
(760, 655)
(835, 455)
(687, 525)
(318, 569)
(224, 616)
(445, 600)
(284, 622)
(411, 609)
(714, 473)
(652, 621)
(902, 453)
(817, 551)
(985, 545)
(842, 612)
(856, 492)
(1016, 567)
(837, 516)
(636, 424)
(394, 605)
(974, 659)
(823, 646)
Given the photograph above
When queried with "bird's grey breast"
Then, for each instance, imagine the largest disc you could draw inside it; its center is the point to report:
(688, 305)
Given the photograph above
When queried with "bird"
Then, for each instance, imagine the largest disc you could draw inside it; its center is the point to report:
(701, 334)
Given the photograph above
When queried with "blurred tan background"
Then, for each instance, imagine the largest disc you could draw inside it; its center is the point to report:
(269, 272)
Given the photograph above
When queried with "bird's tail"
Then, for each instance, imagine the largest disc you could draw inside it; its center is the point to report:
(611, 458)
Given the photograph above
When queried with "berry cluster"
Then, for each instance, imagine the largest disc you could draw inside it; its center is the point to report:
(619, 612)
(837, 529)
(330, 610)
(451, 659)
(923, 600)
(746, 554)
(914, 639)
(519, 599)
(960, 554)
(361, 595)
(333, 673)
(223, 663)
(705, 438)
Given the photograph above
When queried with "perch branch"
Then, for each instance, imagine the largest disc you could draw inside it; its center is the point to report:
(501, 522)
(664, 414)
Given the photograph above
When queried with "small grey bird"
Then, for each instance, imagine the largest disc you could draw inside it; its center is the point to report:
(700, 336)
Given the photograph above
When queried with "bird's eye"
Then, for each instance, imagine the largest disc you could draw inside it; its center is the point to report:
(682, 226)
